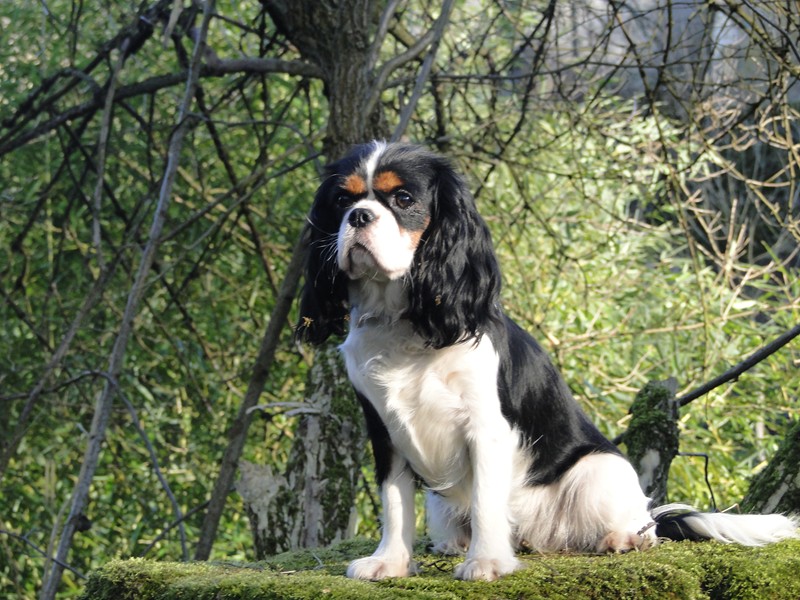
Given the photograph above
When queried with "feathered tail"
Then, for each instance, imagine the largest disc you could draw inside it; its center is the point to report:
(682, 522)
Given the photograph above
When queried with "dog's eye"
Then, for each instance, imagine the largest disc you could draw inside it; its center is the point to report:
(344, 200)
(403, 199)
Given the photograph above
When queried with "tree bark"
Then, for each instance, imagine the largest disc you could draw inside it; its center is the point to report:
(777, 487)
(652, 437)
(344, 57)
(311, 504)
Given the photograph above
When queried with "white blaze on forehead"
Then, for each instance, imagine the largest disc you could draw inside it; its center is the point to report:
(371, 162)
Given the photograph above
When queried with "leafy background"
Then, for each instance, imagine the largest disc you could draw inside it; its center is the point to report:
(637, 243)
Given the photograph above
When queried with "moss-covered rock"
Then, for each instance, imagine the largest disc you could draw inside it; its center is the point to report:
(683, 570)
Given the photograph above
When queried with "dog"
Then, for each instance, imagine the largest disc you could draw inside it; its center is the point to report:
(455, 394)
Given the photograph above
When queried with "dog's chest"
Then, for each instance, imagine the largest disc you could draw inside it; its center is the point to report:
(428, 399)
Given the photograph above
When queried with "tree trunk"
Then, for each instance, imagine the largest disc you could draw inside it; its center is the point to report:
(777, 487)
(652, 437)
(312, 503)
(337, 37)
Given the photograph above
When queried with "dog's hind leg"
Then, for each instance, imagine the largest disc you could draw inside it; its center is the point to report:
(448, 529)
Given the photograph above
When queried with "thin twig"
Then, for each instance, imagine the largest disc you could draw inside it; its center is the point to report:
(95, 294)
(102, 148)
(704, 456)
(19, 536)
(157, 469)
(171, 526)
(251, 66)
(261, 370)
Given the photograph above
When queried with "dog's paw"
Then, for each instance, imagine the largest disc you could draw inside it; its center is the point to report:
(485, 569)
(454, 547)
(373, 568)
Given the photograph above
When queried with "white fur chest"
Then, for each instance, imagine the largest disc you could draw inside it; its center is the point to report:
(429, 399)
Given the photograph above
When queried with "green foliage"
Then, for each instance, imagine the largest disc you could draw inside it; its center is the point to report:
(620, 301)
(591, 203)
(205, 308)
(676, 570)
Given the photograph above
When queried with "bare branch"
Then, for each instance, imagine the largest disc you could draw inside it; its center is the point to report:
(102, 413)
(733, 373)
(383, 27)
(244, 66)
(762, 35)
(100, 163)
(398, 61)
(748, 363)
(437, 32)
(157, 469)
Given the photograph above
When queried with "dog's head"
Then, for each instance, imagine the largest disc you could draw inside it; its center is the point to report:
(399, 213)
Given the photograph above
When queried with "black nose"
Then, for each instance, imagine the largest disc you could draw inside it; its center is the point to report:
(360, 217)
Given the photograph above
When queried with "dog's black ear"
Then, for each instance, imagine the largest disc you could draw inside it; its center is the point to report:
(455, 288)
(323, 301)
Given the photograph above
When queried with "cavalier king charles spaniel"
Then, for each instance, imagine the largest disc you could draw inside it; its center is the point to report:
(455, 394)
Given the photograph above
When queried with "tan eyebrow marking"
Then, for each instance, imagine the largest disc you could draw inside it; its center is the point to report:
(387, 181)
(355, 185)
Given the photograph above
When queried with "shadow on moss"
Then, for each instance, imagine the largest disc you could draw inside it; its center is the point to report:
(673, 570)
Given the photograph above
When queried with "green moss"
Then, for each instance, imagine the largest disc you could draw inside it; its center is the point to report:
(653, 428)
(674, 570)
(780, 474)
(653, 420)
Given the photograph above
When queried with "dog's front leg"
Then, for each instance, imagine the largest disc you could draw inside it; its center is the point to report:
(393, 556)
(491, 553)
